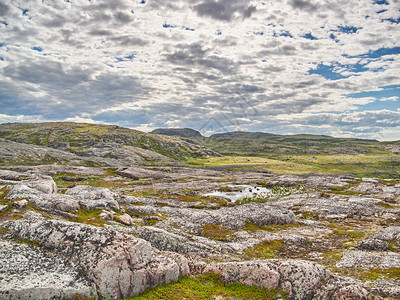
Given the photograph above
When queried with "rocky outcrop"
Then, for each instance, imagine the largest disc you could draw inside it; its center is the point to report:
(118, 264)
(381, 240)
(366, 259)
(299, 279)
(94, 197)
(28, 272)
(233, 217)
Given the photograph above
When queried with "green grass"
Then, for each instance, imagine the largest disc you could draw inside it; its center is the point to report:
(217, 232)
(206, 287)
(90, 217)
(265, 250)
(370, 165)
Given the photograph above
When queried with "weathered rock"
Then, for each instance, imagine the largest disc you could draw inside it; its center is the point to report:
(3, 208)
(106, 215)
(136, 172)
(120, 265)
(365, 260)
(41, 200)
(234, 217)
(380, 240)
(94, 197)
(20, 204)
(125, 219)
(300, 279)
(44, 184)
(28, 272)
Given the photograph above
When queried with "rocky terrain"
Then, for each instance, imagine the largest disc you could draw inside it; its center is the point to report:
(102, 227)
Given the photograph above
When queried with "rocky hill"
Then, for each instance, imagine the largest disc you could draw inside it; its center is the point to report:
(181, 132)
(256, 143)
(88, 141)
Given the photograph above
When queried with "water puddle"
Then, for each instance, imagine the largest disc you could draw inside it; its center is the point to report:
(238, 192)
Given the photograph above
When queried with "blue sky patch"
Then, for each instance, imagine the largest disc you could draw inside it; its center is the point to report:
(385, 92)
(38, 49)
(165, 25)
(1, 58)
(381, 2)
(283, 33)
(259, 33)
(189, 29)
(393, 21)
(327, 72)
(377, 53)
(348, 29)
(125, 58)
(309, 36)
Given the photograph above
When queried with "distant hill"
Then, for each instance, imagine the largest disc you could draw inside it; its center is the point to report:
(261, 143)
(85, 139)
(241, 135)
(180, 132)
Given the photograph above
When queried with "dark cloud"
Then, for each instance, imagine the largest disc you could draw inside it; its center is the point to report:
(3, 9)
(303, 5)
(100, 32)
(122, 17)
(129, 40)
(60, 93)
(195, 55)
(224, 10)
(285, 50)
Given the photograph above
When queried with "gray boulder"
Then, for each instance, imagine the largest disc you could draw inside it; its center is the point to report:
(300, 279)
(28, 272)
(234, 217)
(118, 264)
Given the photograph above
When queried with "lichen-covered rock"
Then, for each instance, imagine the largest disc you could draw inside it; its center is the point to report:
(300, 279)
(119, 264)
(42, 200)
(366, 259)
(234, 217)
(125, 219)
(44, 184)
(28, 272)
(380, 240)
(20, 204)
(3, 208)
(94, 197)
(106, 215)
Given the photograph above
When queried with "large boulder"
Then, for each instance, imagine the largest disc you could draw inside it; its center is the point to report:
(299, 279)
(28, 272)
(119, 265)
(94, 197)
(234, 217)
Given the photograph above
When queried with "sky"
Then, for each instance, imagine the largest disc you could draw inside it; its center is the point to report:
(327, 67)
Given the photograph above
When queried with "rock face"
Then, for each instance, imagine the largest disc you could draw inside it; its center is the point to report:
(27, 272)
(119, 265)
(234, 217)
(300, 279)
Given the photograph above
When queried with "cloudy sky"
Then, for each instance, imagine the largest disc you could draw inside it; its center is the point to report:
(320, 66)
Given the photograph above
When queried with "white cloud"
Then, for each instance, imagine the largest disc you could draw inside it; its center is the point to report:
(179, 62)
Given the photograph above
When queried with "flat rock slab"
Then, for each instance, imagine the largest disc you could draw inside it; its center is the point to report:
(365, 260)
(28, 272)
(298, 278)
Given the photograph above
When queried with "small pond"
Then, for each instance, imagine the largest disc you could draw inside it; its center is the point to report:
(238, 192)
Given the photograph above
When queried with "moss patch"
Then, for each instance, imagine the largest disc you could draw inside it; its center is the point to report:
(90, 217)
(217, 232)
(209, 286)
(265, 250)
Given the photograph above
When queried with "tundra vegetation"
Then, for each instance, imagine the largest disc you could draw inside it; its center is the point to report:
(104, 212)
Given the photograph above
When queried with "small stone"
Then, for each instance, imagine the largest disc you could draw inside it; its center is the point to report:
(106, 215)
(20, 204)
(125, 219)
(3, 208)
